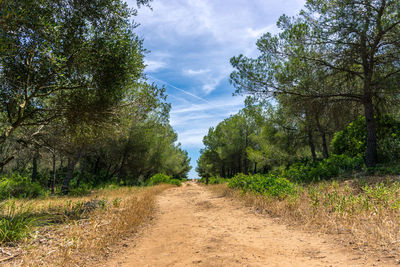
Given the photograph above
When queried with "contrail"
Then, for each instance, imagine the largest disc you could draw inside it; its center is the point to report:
(183, 91)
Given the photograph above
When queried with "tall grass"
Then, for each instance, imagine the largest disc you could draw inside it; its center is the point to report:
(82, 241)
(16, 221)
(365, 212)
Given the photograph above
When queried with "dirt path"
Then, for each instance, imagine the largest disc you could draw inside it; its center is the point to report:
(195, 228)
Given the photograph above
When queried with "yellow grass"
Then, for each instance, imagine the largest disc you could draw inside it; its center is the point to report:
(374, 229)
(81, 242)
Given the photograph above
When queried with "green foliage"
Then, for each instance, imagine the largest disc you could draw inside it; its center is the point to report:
(322, 170)
(217, 180)
(359, 198)
(80, 190)
(15, 185)
(75, 75)
(385, 169)
(158, 178)
(214, 180)
(352, 140)
(309, 64)
(161, 178)
(270, 185)
(175, 182)
(16, 221)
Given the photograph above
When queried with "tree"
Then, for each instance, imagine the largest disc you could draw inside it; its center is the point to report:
(353, 46)
(65, 59)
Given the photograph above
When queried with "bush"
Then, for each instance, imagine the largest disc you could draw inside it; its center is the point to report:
(384, 169)
(214, 180)
(19, 186)
(175, 182)
(322, 170)
(159, 178)
(269, 184)
(352, 140)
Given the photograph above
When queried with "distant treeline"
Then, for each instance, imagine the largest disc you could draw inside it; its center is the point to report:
(75, 105)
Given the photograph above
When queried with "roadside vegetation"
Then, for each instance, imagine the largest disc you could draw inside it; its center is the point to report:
(318, 141)
(74, 229)
(363, 213)
(67, 231)
(77, 111)
(83, 134)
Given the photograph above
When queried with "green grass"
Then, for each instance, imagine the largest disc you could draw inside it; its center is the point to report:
(16, 222)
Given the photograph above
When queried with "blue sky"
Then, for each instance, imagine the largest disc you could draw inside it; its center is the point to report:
(190, 44)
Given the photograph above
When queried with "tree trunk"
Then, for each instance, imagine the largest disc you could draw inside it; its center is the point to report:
(83, 169)
(324, 145)
(246, 143)
(121, 171)
(240, 163)
(108, 171)
(371, 156)
(311, 144)
(96, 169)
(323, 137)
(53, 184)
(255, 168)
(70, 173)
(35, 164)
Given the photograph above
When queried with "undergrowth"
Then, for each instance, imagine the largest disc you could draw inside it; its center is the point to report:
(365, 210)
(270, 185)
(73, 231)
(16, 221)
(161, 178)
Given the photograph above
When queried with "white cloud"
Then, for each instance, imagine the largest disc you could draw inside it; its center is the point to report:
(257, 33)
(192, 121)
(204, 35)
(192, 138)
(190, 72)
(209, 79)
(213, 106)
(211, 84)
(154, 66)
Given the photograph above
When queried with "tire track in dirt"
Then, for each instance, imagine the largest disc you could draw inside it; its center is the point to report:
(193, 227)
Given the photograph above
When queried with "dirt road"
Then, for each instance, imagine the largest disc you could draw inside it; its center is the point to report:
(193, 227)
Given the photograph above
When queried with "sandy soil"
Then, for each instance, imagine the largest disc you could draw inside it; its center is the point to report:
(193, 227)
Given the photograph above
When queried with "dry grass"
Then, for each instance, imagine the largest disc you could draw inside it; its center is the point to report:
(363, 215)
(81, 242)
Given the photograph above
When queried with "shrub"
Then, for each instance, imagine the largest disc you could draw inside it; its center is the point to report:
(214, 180)
(269, 184)
(175, 182)
(217, 180)
(19, 186)
(352, 140)
(159, 178)
(322, 170)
